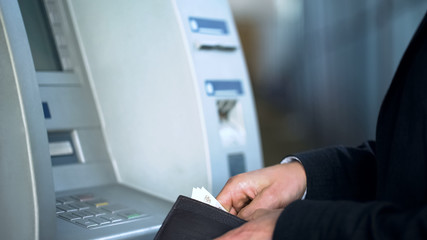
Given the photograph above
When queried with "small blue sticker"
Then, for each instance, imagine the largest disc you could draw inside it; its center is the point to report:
(46, 110)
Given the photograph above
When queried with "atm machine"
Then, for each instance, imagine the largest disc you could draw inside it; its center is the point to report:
(110, 109)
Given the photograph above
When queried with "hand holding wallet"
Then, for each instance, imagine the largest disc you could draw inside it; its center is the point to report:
(190, 219)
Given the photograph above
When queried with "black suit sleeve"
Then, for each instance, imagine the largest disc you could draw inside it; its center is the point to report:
(340, 173)
(313, 219)
(341, 204)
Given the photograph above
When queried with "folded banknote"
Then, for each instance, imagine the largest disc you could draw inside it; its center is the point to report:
(203, 195)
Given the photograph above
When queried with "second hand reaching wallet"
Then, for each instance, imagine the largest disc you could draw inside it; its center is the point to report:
(190, 219)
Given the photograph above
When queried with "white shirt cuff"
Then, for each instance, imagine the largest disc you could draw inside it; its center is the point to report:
(291, 159)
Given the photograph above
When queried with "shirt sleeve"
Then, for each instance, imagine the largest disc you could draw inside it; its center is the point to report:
(291, 159)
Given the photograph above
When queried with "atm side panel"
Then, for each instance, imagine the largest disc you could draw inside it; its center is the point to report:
(26, 185)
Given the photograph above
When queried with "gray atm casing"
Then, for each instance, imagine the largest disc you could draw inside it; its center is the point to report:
(145, 127)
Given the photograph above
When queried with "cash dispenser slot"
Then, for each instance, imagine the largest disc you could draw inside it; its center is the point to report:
(232, 130)
(64, 148)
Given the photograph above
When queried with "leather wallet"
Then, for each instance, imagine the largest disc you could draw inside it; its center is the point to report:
(190, 219)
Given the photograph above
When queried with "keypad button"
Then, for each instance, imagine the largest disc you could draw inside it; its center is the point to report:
(86, 223)
(99, 220)
(84, 214)
(97, 211)
(112, 218)
(98, 202)
(80, 205)
(132, 214)
(65, 200)
(84, 197)
(69, 216)
(114, 208)
(58, 210)
(67, 208)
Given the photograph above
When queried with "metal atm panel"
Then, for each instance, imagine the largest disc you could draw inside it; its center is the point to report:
(140, 102)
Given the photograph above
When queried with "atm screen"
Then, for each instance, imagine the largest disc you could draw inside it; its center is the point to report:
(42, 43)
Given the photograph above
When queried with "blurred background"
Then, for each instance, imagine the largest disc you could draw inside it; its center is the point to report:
(320, 69)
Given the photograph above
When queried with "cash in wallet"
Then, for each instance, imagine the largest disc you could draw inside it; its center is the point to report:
(200, 217)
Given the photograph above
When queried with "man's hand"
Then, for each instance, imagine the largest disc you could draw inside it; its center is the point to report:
(268, 188)
(260, 226)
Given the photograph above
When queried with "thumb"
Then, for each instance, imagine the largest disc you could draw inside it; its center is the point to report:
(226, 201)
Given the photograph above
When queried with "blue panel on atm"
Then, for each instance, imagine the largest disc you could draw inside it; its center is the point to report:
(223, 88)
(208, 26)
(46, 110)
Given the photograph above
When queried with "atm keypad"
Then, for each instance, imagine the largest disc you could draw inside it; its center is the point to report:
(89, 211)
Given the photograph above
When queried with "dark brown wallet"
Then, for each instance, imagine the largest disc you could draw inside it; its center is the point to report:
(190, 219)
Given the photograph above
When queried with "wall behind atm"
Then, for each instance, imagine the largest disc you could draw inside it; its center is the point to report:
(320, 69)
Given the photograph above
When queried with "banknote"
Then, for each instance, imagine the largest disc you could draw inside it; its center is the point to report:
(203, 195)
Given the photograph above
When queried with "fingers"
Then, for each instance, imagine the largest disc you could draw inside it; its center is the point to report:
(234, 202)
(233, 211)
(272, 187)
(265, 200)
(236, 194)
(225, 198)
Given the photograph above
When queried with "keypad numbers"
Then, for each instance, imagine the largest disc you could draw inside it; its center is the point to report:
(89, 211)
